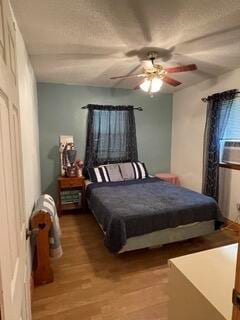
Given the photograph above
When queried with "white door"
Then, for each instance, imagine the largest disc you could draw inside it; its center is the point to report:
(12, 218)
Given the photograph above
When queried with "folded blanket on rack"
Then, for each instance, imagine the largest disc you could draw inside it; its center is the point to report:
(46, 204)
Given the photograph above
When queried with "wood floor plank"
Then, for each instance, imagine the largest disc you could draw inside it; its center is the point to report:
(92, 284)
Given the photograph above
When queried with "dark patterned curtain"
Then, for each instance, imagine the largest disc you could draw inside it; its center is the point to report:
(111, 135)
(218, 110)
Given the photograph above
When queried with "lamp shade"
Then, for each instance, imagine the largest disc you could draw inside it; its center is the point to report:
(153, 85)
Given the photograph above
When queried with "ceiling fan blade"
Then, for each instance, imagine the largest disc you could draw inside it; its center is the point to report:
(190, 67)
(128, 77)
(171, 81)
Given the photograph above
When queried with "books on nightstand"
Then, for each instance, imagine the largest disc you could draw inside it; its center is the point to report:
(71, 197)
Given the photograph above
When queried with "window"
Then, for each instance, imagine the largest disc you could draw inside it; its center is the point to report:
(111, 132)
(111, 135)
(230, 143)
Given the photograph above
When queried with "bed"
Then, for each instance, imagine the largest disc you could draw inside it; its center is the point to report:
(150, 212)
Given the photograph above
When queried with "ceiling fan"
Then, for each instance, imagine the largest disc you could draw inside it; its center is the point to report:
(155, 74)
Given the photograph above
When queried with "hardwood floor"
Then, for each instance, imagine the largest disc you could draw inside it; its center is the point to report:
(92, 284)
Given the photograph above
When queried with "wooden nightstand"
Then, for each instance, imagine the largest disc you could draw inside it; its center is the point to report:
(69, 192)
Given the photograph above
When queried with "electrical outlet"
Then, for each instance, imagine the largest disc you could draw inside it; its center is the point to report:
(238, 206)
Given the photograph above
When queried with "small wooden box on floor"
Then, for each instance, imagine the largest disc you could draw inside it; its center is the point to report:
(201, 285)
(66, 184)
(169, 177)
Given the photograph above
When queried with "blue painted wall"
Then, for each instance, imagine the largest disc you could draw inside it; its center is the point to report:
(60, 113)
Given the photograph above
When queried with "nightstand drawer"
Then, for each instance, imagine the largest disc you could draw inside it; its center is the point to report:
(71, 182)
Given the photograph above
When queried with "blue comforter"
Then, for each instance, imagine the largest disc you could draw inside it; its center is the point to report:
(131, 208)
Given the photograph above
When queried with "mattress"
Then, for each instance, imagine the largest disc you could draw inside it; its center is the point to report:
(134, 208)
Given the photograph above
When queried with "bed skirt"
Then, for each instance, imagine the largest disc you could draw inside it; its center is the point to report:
(161, 237)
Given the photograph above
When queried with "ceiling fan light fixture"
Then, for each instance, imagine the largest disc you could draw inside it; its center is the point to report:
(151, 86)
(145, 86)
(156, 85)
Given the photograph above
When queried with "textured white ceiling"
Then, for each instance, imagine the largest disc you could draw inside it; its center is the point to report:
(88, 41)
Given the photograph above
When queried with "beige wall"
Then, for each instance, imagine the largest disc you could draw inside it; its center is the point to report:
(29, 125)
(189, 114)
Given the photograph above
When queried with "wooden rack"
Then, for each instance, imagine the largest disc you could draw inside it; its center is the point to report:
(40, 225)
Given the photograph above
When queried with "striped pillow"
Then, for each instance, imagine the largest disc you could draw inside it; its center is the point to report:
(105, 173)
(113, 172)
(133, 170)
(127, 170)
(140, 171)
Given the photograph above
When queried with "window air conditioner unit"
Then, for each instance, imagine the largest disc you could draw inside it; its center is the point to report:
(231, 152)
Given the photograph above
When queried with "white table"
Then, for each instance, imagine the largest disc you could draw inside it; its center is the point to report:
(201, 285)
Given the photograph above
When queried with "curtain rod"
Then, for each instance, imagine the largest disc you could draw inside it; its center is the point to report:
(204, 99)
(135, 108)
